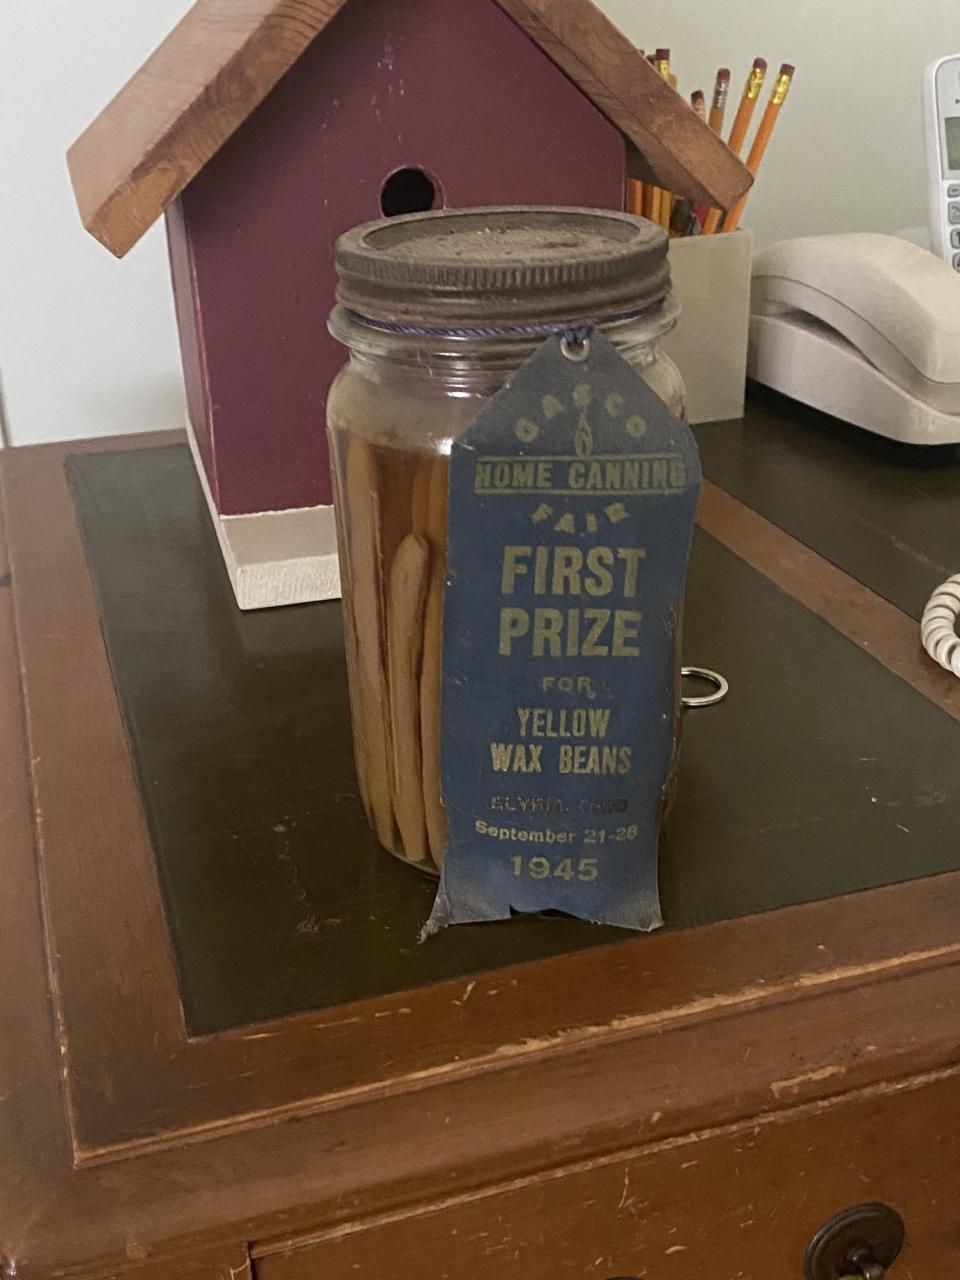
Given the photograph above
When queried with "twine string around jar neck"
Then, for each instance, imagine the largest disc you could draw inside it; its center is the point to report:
(467, 360)
(574, 331)
(574, 338)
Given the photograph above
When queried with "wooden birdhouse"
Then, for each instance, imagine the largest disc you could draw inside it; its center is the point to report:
(265, 128)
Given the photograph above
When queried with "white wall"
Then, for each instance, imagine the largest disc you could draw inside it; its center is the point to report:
(87, 344)
(847, 154)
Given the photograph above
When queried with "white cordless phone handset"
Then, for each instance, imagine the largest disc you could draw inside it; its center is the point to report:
(941, 119)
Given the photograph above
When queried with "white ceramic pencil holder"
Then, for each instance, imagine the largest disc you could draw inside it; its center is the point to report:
(711, 280)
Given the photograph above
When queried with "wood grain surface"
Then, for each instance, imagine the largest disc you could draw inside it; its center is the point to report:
(738, 1202)
(225, 56)
(253, 815)
(800, 1060)
(870, 621)
(882, 511)
(676, 148)
(91, 818)
(218, 63)
(30, 1104)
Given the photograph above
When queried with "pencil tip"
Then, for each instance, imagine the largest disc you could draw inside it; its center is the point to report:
(786, 69)
(760, 64)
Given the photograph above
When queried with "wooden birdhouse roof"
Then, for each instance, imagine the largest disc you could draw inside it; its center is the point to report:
(225, 56)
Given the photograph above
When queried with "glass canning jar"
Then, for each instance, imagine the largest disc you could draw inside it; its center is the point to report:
(437, 311)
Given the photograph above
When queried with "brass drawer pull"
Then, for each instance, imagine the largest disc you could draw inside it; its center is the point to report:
(860, 1243)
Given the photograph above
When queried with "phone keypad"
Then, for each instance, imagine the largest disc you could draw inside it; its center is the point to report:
(951, 192)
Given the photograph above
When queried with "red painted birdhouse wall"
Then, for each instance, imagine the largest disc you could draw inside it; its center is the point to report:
(454, 90)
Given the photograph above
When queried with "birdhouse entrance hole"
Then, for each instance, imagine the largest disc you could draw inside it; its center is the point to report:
(408, 191)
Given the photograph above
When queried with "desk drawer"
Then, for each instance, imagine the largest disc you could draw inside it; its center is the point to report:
(738, 1204)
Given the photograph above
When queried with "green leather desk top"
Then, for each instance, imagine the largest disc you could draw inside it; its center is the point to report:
(821, 774)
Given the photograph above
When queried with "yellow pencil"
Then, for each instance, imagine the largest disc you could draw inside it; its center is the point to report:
(666, 208)
(647, 206)
(718, 106)
(638, 195)
(751, 92)
(741, 123)
(635, 195)
(663, 201)
(780, 89)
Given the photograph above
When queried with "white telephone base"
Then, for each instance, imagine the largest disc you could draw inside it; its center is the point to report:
(807, 360)
(863, 326)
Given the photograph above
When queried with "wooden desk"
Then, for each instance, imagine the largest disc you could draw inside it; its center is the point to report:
(201, 1074)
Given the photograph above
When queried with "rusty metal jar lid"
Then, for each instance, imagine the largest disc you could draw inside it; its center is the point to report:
(503, 265)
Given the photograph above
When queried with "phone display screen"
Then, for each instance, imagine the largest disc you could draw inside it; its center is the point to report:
(951, 129)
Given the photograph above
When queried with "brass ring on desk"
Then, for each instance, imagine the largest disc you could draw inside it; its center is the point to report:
(712, 677)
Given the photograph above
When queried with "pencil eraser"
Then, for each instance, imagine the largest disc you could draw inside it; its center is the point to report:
(760, 64)
(663, 55)
(786, 69)
(723, 73)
